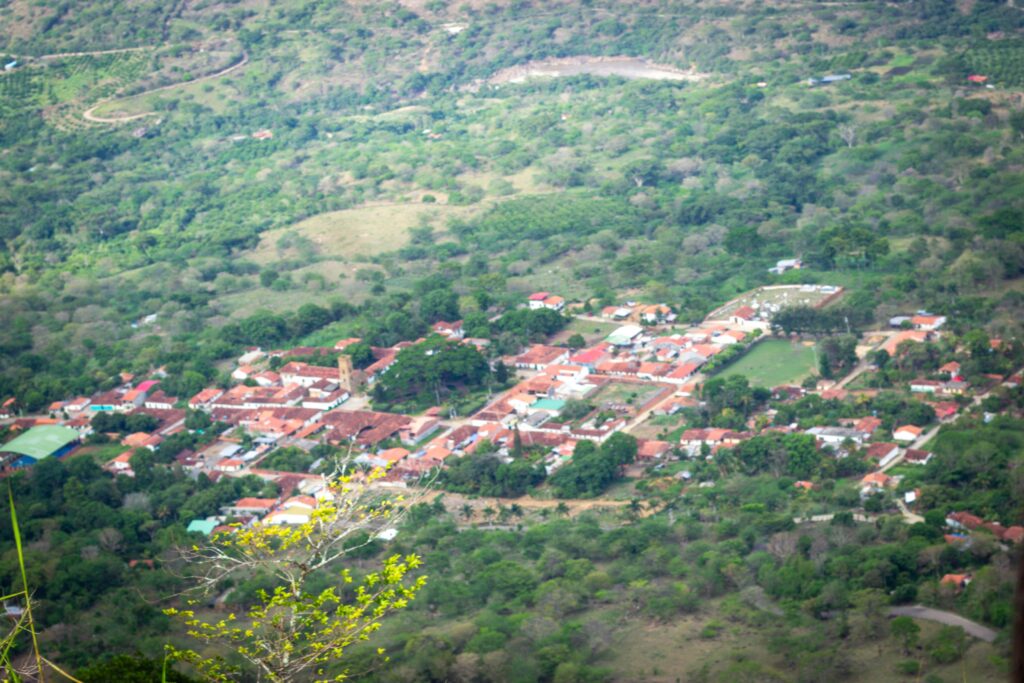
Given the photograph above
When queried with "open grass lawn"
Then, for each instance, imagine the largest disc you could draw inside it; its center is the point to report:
(774, 362)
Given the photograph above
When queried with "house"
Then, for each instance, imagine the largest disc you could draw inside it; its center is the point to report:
(907, 433)
(231, 465)
(616, 312)
(656, 313)
(627, 335)
(242, 372)
(963, 520)
(539, 300)
(142, 440)
(730, 337)
(786, 264)
(539, 356)
(836, 436)
(977, 79)
(158, 400)
(945, 409)
(76, 405)
(925, 386)
(418, 429)
(250, 506)
(306, 375)
(592, 356)
(955, 387)
(1014, 534)
(804, 485)
(952, 368)
(121, 464)
(742, 314)
(874, 482)
(883, 453)
(928, 323)
(958, 581)
(891, 346)
(267, 378)
(449, 330)
(914, 456)
(650, 449)
(204, 398)
(867, 425)
(536, 300)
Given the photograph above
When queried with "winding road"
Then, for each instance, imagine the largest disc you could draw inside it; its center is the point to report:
(88, 114)
(972, 628)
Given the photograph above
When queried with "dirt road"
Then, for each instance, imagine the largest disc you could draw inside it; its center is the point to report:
(950, 619)
(88, 114)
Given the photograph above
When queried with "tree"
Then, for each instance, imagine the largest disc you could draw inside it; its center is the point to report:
(576, 341)
(906, 631)
(291, 633)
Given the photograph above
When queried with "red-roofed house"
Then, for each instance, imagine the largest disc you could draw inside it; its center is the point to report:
(883, 453)
(964, 520)
(958, 581)
(742, 314)
(874, 482)
(249, 506)
(204, 398)
(914, 456)
(450, 330)
(650, 449)
(907, 433)
(538, 356)
(592, 356)
(928, 323)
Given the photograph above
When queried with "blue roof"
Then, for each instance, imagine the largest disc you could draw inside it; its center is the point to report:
(553, 404)
(203, 526)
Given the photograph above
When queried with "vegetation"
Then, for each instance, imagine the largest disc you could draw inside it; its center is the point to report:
(365, 172)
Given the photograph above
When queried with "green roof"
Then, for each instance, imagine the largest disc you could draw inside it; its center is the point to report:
(203, 526)
(41, 442)
(552, 404)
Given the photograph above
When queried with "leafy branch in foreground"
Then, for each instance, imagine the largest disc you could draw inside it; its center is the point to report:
(290, 632)
(25, 622)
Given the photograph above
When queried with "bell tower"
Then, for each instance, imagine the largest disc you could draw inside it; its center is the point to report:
(345, 372)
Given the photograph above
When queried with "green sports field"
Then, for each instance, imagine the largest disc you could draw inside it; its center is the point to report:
(774, 362)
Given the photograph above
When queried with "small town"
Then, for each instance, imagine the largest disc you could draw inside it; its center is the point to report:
(292, 417)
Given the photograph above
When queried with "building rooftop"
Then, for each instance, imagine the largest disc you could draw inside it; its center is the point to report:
(41, 442)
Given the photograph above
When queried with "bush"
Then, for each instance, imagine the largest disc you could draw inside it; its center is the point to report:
(908, 667)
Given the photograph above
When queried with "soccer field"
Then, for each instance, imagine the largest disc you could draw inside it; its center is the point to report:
(774, 362)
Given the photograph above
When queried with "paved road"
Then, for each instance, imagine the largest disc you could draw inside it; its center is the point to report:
(950, 619)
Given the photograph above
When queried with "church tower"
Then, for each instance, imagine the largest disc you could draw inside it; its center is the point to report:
(345, 372)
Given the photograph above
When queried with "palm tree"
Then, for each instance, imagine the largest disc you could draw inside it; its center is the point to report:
(488, 512)
(516, 509)
(467, 510)
(562, 508)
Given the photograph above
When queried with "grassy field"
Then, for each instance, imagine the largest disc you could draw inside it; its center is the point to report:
(657, 652)
(363, 231)
(635, 395)
(592, 331)
(774, 362)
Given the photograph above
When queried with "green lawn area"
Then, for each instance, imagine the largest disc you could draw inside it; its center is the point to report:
(774, 362)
